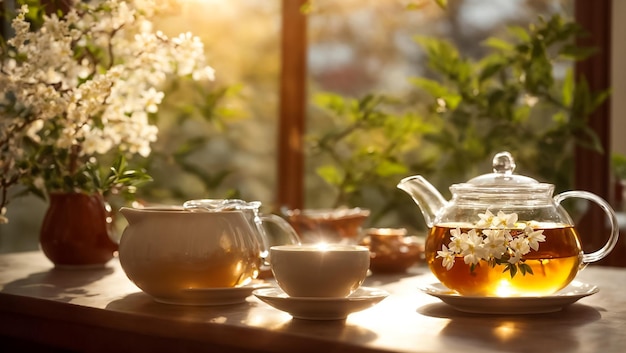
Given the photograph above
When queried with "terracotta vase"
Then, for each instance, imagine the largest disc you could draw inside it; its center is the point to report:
(76, 231)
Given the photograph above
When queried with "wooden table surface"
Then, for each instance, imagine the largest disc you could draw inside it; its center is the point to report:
(102, 311)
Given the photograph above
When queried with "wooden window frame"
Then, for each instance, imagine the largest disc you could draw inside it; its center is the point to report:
(593, 169)
(292, 106)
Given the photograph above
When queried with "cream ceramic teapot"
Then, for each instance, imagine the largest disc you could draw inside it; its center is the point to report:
(167, 251)
(504, 234)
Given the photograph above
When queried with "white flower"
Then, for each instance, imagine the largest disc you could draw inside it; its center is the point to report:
(503, 220)
(515, 258)
(520, 246)
(495, 242)
(534, 237)
(447, 257)
(66, 139)
(491, 238)
(485, 219)
(206, 73)
(530, 100)
(95, 143)
(473, 250)
(152, 99)
(457, 240)
(33, 129)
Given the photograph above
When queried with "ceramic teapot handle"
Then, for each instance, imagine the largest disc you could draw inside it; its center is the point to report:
(610, 244)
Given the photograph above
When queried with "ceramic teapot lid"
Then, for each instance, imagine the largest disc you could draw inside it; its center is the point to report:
(502, 179)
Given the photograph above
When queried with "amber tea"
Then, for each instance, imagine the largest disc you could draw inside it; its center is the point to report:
(554, 264)
(216, 271)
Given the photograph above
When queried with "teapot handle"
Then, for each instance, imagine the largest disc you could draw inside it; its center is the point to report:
(284, 227)
(612, 241)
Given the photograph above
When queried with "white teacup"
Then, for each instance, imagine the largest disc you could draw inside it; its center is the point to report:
(319, 270)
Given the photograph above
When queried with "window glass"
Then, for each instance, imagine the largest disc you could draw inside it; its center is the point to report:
(361, 48)
(234, 149)
(219, 140)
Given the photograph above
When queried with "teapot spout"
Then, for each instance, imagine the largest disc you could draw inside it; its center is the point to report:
(132, 215)
(429, 200)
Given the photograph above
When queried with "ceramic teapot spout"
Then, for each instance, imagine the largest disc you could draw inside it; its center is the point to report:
(425, 196)
(132, 215)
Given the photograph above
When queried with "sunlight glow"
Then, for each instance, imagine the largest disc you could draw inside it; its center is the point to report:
(504, 289)
(505, 331)
(322, 246)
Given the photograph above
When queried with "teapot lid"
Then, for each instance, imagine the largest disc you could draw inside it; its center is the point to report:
(502, 177)
(219, 205)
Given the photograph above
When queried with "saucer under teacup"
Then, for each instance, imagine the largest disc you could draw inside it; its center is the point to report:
(512, 305)
(321, 308)
(213, 296)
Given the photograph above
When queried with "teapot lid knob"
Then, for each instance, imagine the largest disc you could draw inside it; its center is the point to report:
(503, 163)
(502, 177)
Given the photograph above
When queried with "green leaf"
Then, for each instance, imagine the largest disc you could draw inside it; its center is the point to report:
(590, 139)
(598, 98)
(577, 53)
(560, 118)
(416, 5)
(618, 163)
(525, 268)
(497, 43)
(511, 268)
(433, 87)
(567, 91)
(333, 102)
(452, 101)
(330, 174)
(539, 69)
(389, 168)
(444, 58)
(519, 32)
(442, 3)
(490, 69)
(521, 114)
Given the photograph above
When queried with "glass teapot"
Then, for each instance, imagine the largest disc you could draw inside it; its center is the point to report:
(504, 234)
(252, 213)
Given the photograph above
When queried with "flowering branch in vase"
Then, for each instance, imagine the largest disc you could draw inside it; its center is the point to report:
(77, 90)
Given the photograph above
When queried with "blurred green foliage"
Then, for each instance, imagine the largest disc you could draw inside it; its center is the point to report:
(618, 163)
(522, 97)
(515, 98)
(366, 144)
